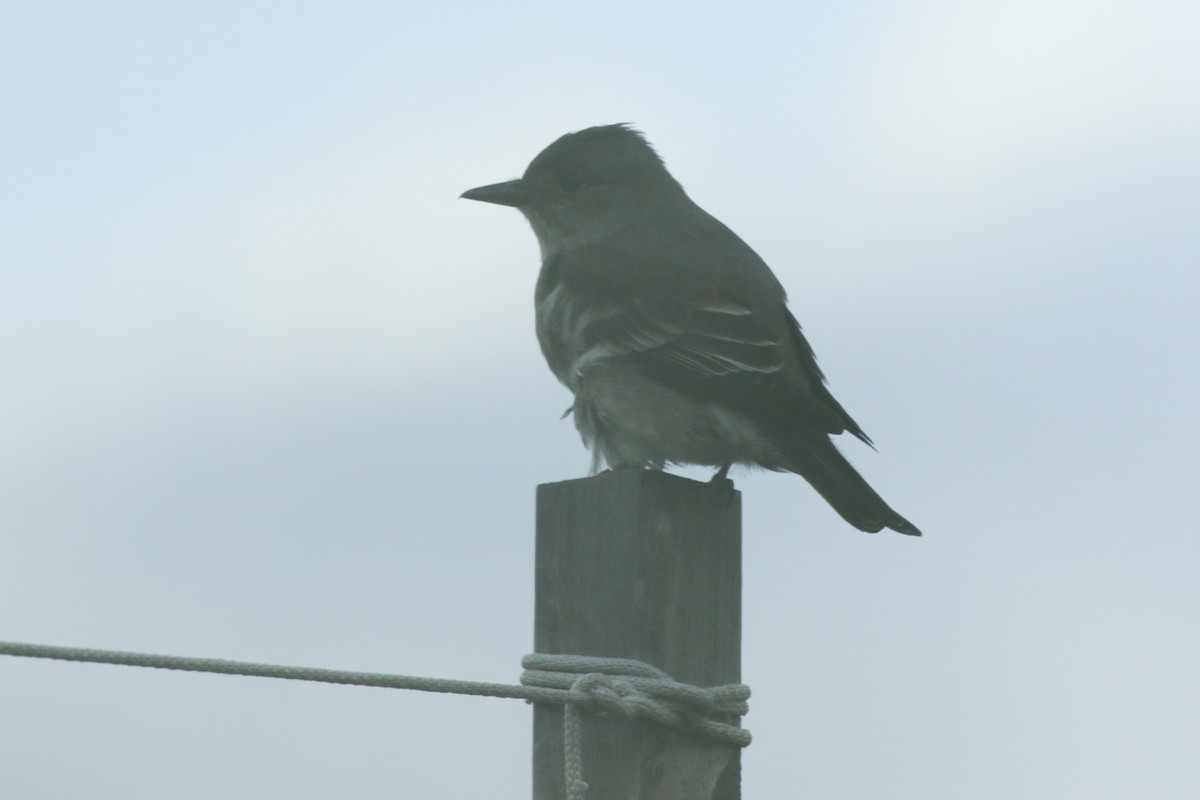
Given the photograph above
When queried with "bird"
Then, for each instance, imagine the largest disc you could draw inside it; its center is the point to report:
(672, 334)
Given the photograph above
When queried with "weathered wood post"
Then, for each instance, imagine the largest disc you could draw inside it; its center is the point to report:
(646, 565)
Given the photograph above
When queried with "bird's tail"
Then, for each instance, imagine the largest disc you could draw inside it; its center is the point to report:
(818, 461)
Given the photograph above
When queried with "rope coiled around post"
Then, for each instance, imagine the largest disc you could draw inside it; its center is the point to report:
(633, 689)
(636, 689)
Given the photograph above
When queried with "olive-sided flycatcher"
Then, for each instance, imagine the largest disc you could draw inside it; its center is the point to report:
(673, 335)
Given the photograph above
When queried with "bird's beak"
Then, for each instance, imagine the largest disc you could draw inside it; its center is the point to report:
(509, 193)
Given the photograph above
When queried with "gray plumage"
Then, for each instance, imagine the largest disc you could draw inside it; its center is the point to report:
(673, 335)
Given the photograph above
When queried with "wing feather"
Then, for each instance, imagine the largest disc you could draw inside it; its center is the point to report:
(710, 338)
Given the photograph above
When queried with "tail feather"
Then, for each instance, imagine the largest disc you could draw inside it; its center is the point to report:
(818, 461)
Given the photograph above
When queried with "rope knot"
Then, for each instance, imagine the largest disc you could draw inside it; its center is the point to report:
(599, 693)
(636, 689)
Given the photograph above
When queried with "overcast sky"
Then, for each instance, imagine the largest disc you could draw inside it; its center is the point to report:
(271, 391)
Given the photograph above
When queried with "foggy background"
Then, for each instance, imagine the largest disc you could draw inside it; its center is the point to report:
(271, 391)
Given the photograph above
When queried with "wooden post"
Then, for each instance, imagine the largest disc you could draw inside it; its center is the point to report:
(646, 565)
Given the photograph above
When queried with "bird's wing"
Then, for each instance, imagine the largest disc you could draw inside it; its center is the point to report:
(718, 346)
(588, 314)
(712, 338)
(718, 328)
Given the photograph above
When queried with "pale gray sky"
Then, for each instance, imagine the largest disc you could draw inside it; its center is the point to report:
(272, 391)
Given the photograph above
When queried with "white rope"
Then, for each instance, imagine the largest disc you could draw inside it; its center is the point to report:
(624, 686)
(573, 781)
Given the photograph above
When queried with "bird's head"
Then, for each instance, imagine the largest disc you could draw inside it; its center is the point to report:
(586, 186)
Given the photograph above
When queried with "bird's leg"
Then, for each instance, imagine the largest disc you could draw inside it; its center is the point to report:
(722, 484)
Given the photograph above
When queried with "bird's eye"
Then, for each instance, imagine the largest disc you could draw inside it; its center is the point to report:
(570, 181)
